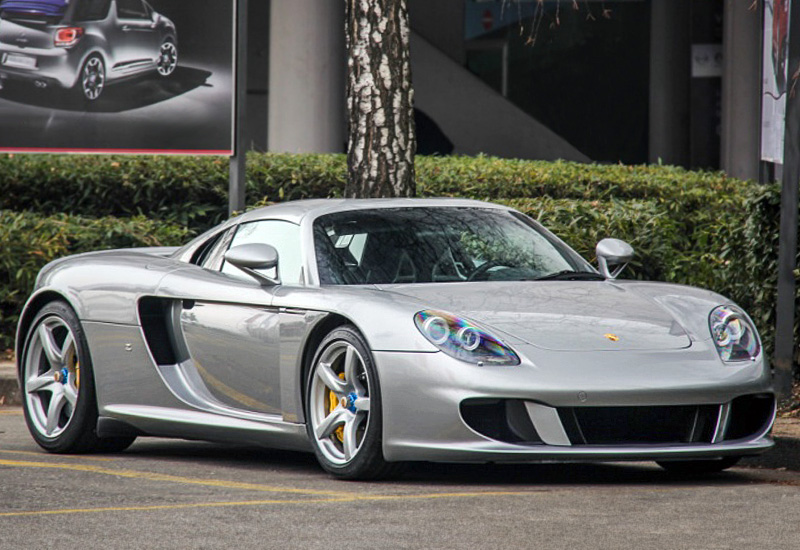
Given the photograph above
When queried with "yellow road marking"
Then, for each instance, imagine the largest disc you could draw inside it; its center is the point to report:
(150, 476)
(11, 412)
(43, 455)
(354, 498)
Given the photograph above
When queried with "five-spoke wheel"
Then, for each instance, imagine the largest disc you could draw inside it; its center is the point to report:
(343, 408)
(52, 377)
(58, 386)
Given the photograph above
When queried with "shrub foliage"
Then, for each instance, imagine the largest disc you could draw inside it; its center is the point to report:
(28, 241)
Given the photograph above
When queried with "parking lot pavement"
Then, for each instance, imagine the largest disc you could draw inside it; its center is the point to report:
(179, 494)
(9, 387)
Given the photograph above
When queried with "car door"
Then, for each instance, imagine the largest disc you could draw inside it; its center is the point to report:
(135, 37)
(226, 324)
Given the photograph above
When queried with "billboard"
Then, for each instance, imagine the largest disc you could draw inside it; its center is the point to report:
(774, 79)
(122, 76)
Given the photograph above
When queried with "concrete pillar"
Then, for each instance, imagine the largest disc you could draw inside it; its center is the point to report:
(670, 80)
(306, 77)
(741, 90)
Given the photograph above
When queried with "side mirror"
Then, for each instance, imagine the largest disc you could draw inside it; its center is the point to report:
(249, 257)
(612, 252)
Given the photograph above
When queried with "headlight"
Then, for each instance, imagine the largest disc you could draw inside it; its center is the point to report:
(733, 334)
(463, 340)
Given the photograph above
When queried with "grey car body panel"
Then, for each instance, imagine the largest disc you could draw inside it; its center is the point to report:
(238, 371)
(559, 315)
(126, 53)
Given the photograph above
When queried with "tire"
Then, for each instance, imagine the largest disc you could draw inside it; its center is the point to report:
(699, 467)
(343, 408)
(167, 60)
(91, 80)
(57, 382)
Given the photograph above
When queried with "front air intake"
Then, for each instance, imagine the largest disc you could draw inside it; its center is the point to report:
(500, 419)
(639, 425)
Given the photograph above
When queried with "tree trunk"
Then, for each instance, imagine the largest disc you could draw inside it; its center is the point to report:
(381, 134)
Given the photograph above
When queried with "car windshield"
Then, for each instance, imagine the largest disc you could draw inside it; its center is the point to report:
(438, 244)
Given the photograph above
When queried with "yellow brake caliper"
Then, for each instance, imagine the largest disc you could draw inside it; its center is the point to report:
(76, 369)
(333, 401)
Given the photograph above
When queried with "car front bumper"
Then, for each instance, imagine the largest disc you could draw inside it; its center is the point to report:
(696, 404)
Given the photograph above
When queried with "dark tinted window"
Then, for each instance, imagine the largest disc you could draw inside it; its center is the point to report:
(132, 9)
(92, 10)
(421, 245)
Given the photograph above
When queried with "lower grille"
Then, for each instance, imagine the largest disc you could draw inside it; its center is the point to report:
(639, 425)
(500, 419)
(750, 416)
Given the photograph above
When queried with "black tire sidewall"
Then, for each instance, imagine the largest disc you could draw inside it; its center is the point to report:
(368, 462)
(81, 429)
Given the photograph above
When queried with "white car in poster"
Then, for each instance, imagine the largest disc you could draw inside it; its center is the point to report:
(83, 45)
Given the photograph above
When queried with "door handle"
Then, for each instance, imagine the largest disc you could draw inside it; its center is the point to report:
(188, 304)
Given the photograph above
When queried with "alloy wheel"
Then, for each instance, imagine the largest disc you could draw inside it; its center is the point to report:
(339, 402)
(167, 59)
(52, 377)
(93, 78)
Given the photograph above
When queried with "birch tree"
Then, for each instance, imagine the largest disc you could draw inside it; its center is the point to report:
(381, 134)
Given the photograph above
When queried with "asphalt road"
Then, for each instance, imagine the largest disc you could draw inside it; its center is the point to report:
(178, 494)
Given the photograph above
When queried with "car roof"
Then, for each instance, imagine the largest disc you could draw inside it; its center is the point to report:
(295, 211)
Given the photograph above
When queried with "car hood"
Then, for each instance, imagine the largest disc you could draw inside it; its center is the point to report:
(558, 315)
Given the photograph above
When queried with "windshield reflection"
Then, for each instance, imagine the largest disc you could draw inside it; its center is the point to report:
(425, 245)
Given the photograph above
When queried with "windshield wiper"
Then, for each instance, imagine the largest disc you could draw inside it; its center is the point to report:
(569, 275)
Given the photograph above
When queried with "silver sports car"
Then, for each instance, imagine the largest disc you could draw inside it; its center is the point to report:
(375, 332)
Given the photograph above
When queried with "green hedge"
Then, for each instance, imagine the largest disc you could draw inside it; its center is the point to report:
(28, 241)
(698, 228)
(192, 191)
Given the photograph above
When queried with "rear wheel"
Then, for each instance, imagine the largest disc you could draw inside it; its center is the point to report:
(92, 79)
(343, 408)
(689, 467)
(58, 385)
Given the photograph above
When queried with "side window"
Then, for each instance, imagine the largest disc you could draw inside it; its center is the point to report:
(209, 255)
(284, 236)
(131, 9)
(92, 10)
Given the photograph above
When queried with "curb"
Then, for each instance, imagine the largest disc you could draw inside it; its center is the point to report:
(9, 387)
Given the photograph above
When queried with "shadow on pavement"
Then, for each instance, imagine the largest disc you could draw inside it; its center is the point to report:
(427, 474)
(785, 455)
(123, 96)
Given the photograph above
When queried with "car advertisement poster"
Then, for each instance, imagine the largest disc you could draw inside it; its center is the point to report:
(774, 79)
(117, 76)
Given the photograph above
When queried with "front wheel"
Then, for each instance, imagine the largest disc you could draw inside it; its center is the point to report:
(58, 385)
(698, 467)
(343, 408)
(167, 59)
